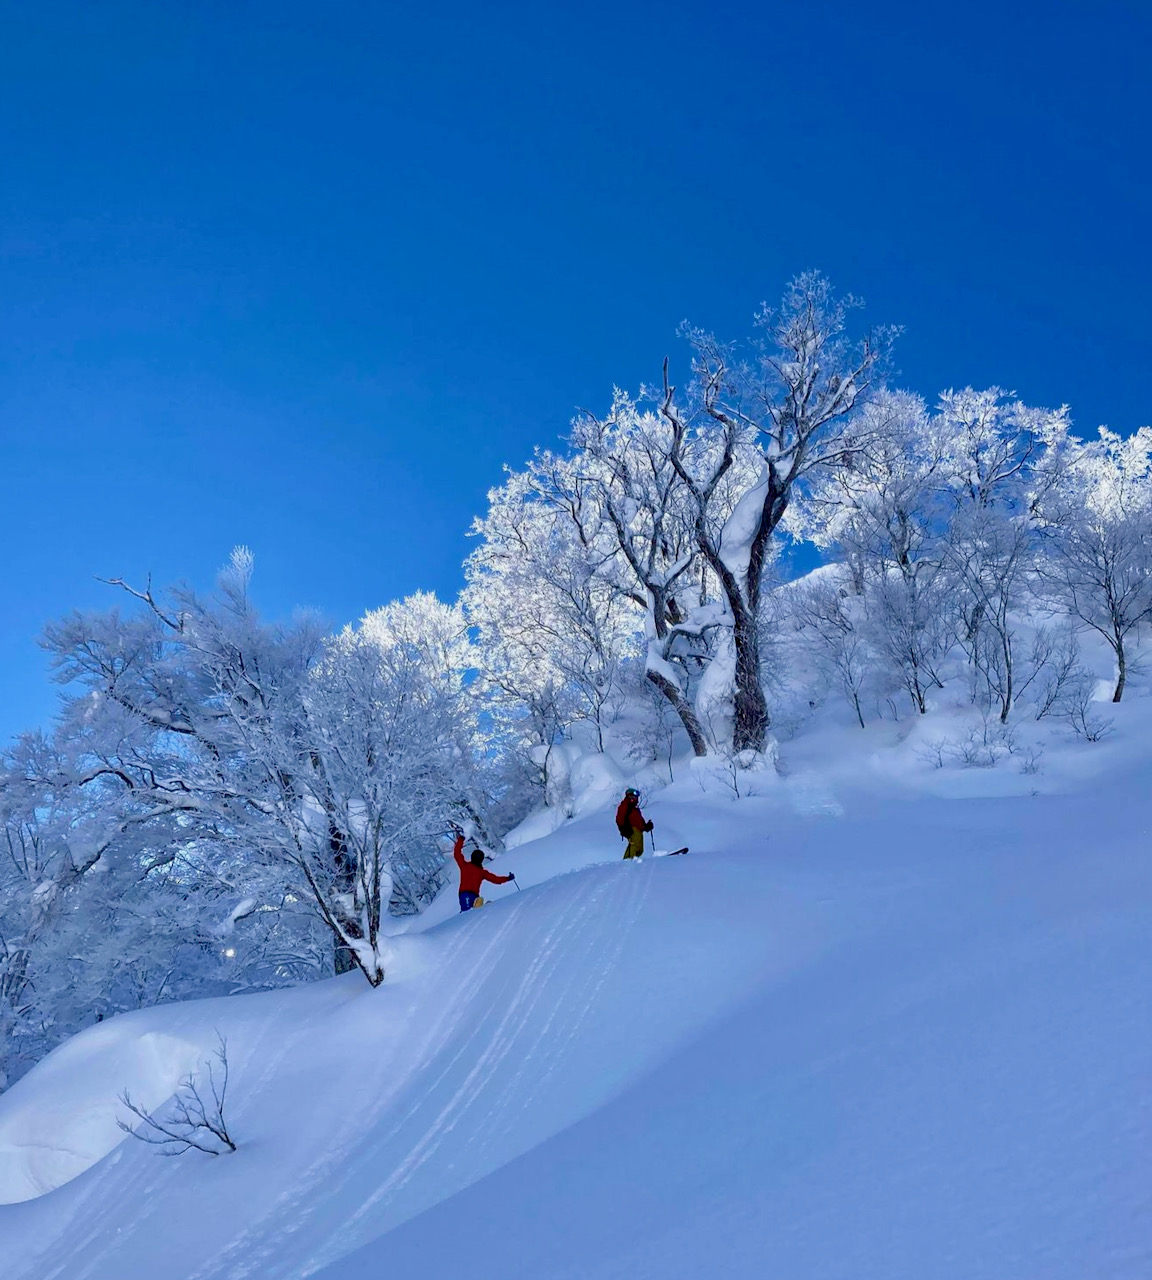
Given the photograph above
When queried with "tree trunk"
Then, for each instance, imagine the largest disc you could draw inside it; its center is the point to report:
(684, 710)
(1009, 693)
(751, 719)
(662, 610)
(917, 693)
(344, 878)
(859, 713)
(750, 730)
(342, 959)
(15, 978)
(751, 708)
(1122, 669)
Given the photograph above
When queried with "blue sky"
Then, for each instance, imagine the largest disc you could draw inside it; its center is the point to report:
(305, 276)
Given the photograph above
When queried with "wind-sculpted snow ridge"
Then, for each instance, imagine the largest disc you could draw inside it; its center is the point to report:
(846, 1037)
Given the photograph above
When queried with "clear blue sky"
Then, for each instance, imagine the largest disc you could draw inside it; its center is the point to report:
(306, 276)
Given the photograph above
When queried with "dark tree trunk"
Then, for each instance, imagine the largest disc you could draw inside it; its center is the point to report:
(342, 958)
(859, 713)
(344, 876)
(1122, 669)
(750, 727)
(684, 710)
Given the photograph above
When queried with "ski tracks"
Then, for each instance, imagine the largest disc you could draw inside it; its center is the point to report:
(544, 1009)
(406, 1038)
(480, 1039)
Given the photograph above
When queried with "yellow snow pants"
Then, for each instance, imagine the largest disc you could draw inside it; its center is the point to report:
(635, 845)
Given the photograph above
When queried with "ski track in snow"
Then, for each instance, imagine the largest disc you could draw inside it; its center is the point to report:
(533, 1053)
(908, 1044)
(468, 1094)
(257, 1247)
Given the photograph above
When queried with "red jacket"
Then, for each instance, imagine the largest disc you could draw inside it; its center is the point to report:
(629, 815)
(472, 876)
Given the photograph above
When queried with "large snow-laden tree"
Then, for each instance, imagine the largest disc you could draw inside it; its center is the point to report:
(90, 927)
(887, 511)
(386, 739)
(639, 518)
(1003, 457)
(554, 636)
(794, 399)
(886, 508)
(590, 556)
(826, 618)
(1098, 544)
(323, 762)
(420, 659)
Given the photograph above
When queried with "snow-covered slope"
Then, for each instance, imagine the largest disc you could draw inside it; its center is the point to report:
(847, 1036)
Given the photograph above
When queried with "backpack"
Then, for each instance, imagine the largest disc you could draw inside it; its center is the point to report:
(623, 813)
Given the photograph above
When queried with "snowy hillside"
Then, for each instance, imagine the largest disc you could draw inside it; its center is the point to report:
(860, 1031)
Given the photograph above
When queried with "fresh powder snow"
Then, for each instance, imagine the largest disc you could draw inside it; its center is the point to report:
(866, 1030)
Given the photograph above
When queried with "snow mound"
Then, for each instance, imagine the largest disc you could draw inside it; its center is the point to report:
(69, 1121)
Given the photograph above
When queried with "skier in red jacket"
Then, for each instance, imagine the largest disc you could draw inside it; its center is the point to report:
(630, 823)
(472, 874)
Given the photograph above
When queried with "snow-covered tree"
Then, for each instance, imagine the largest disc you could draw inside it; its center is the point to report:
(791, 405)
(641, 520)
(290, 765)
(407, 670)
(93, 926)
(886, 508)
(886, 511)
(824, 613)
(1098, 522)
(1003, 456)
(554, 636)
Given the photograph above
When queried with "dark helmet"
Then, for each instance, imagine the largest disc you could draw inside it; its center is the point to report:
(477, 858)
(632, 792)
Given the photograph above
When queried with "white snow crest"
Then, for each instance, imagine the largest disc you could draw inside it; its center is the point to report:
(741, 526)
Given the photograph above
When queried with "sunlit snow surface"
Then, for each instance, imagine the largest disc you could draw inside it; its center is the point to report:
(860, 1032)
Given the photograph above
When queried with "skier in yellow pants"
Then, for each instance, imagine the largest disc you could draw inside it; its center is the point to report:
(630, 823)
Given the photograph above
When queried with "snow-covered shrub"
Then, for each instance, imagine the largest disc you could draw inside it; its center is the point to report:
(934, 752)
(1078, 708)
(984, 744)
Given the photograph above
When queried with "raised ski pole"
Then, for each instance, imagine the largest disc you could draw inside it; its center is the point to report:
(488, 858)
